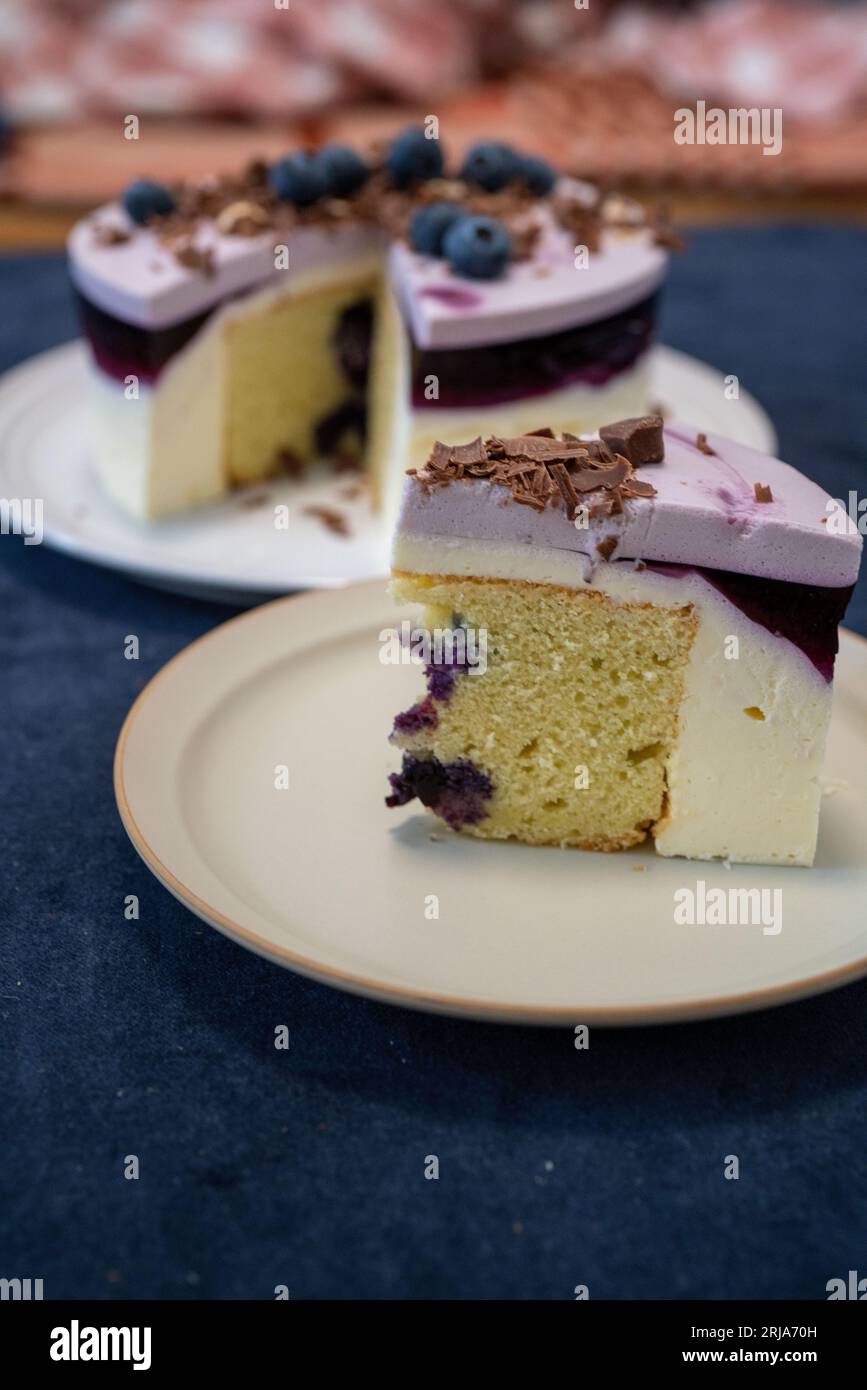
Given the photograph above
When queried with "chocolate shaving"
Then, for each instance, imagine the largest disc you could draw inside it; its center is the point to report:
(106, 235)
(668, 239)
(469, 454)
(195, 257)
(580, 221)
(567, 490)
(702, 444)
(540, 470)
(763, 492)
(637, 487)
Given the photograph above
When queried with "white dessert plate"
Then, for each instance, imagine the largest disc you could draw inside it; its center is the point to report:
(231, 550)
(321, 877)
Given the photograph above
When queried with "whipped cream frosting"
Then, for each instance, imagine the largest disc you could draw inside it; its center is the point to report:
(141, 282)
(705, 513)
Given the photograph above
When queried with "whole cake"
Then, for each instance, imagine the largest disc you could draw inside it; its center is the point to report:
(329, 304)
(657, 611)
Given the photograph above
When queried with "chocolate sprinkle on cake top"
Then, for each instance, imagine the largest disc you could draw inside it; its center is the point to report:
(702, 444)
(542, 470)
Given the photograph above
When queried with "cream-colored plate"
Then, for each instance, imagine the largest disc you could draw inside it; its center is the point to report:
(321, 877)
(231, 549)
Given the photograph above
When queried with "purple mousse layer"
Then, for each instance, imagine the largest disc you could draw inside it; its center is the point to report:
(458, 792)
(592, 354)
(705, 512)
(803, 614)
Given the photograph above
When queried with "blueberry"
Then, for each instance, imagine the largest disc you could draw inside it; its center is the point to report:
(478, 247)
(146, 199)
(413, 158)
(299, 179)
(537, 174)
(429, 226)
(491, 165)
(343, 170)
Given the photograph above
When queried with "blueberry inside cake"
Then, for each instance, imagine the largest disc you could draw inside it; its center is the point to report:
(640, 638)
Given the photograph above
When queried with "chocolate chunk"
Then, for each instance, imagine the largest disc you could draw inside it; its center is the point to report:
(607, 547)
(638, 439)
(195, 257)
(702, 444)
(763, 492)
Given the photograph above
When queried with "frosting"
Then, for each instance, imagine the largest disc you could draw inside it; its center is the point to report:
(705, 512)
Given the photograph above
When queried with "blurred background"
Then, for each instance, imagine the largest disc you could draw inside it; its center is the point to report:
(593, 88)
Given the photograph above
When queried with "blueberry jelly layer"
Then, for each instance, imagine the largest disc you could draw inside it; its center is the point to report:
(591, 354)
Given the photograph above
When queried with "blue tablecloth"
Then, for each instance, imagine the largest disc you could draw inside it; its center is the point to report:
(305, 1167)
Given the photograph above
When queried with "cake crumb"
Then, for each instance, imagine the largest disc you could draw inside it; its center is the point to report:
(332, 520)
(251, 500)
(639, 868)
(763, 492)
(702, 444)
(607, 547)
(290, 463)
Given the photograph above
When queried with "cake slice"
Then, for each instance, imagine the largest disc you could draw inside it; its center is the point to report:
(641, 631)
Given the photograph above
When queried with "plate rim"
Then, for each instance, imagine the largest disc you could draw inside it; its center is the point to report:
(615, 1015)
(163, 572)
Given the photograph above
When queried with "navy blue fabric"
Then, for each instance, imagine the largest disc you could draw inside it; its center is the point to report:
(305, 1167)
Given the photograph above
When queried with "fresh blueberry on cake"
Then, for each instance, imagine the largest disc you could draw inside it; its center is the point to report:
(479, 247)
(429, 225)
(659, 611)
(146, 199)
(491, 165)
(301, 180)
(221, 314)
